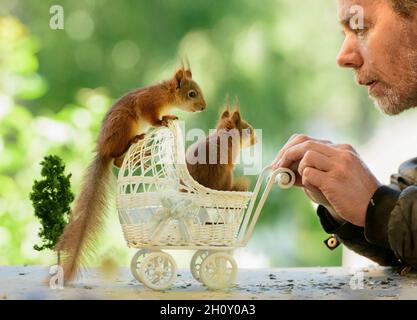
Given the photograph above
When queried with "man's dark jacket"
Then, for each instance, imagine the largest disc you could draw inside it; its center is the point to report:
(390, 233)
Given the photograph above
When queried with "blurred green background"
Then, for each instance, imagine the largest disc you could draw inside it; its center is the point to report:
(278, 56)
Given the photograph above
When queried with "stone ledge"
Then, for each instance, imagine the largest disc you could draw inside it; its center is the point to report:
(25, 282)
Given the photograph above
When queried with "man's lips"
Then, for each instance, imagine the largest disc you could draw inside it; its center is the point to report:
(372, 85)
(366, 82)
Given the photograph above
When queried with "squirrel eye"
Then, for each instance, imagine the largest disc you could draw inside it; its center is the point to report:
(192, 94)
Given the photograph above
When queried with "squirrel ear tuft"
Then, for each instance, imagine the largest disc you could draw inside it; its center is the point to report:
(236, 118)
(179, 78)
(225, 113)
(187, 68)
(236, 103)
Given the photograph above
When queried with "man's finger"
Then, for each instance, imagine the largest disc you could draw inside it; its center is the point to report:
(316, 160)
(311, 191)
(313, 178)
(345, 146)
(293, 168)
(295, 140)
(297, 152)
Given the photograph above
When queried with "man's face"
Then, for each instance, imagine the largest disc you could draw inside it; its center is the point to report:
(383, 53)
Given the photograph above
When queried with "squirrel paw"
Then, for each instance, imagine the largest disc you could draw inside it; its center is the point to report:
(166, 118)
(136, 138)
(169, 117)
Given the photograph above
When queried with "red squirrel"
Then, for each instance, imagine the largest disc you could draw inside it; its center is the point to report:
(218, 173)
(125, 123)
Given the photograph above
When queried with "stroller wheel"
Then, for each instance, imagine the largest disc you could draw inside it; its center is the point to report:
(218, 271)
(158, 271)
(137, 261)
(196, 262)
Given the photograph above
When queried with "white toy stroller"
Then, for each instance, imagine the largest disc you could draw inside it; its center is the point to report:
(162, 207)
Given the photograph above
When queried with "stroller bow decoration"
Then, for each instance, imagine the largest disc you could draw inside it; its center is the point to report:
(174, 208)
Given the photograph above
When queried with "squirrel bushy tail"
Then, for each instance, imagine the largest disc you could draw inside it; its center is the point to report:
(87, 218)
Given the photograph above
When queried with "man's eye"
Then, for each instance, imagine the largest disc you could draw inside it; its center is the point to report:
(361, 31)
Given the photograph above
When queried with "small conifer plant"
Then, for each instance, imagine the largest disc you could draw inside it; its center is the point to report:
(51, 198)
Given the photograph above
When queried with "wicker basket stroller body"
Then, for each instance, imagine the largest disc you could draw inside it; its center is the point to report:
(161, 206)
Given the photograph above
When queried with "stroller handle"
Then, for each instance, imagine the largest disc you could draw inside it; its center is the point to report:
(284, 178)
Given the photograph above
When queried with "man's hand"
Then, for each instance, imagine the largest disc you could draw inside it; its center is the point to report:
(331, 175)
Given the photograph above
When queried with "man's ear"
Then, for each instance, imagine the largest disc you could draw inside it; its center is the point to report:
(236, 118)
(179, 78)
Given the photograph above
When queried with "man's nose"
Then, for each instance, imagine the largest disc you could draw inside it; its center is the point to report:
(349, 55)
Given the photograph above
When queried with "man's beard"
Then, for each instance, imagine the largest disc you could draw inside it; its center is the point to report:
(404, 96)
(391, 103)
